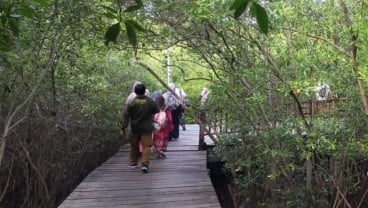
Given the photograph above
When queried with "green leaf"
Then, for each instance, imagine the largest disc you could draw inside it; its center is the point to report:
(136, 25)
(237, 3)
(43, 3)
(110, 12)
(5, 42)
(14, 27)
(132, 36)
(132, 8)
(28, 11)
(112, 33)
(110, 15)
(239, 6)
(240, 10)
(260, 14)
(110, 9)
(139, 3)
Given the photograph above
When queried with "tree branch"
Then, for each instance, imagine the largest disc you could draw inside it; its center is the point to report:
(339, 49)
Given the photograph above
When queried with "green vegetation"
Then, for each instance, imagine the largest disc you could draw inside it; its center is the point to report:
(66, 68)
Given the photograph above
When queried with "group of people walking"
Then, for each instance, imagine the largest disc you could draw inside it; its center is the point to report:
(153, 121)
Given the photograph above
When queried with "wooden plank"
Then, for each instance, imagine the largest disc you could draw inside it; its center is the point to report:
(187, 199)
(180, 180)
(174, 202)
(124, 192)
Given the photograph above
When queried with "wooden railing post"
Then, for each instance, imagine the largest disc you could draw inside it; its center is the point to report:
(202, 118)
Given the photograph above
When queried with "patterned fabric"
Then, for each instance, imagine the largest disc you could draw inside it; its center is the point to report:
(160, 137)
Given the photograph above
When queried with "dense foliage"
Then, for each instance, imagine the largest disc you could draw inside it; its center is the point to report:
(61, 94)
(67, 66)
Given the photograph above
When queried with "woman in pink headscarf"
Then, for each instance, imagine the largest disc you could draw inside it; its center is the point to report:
(161, 137)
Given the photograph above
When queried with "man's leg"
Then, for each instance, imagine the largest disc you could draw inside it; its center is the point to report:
(146, 140)
(134, 149)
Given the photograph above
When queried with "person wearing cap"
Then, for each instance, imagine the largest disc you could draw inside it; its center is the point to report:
(174, 102)
(138, 113)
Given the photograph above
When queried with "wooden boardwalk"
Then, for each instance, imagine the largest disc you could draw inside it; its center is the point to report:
(181, 180)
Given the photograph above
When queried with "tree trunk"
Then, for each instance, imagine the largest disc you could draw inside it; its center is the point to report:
(2, 148)
(362, 91)
(353, 50)
(309, 170)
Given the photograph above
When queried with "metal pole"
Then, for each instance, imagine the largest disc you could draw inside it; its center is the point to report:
(168, 59)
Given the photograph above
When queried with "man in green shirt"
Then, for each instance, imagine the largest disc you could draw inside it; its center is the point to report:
(139, 112)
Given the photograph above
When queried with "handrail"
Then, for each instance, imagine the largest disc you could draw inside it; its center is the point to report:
(215, 122)
(315, 107)
(212, 123)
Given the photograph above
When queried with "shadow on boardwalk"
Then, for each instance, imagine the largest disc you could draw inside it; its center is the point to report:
(181, 180)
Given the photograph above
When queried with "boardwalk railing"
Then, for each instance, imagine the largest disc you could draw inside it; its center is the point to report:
(212, 124)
